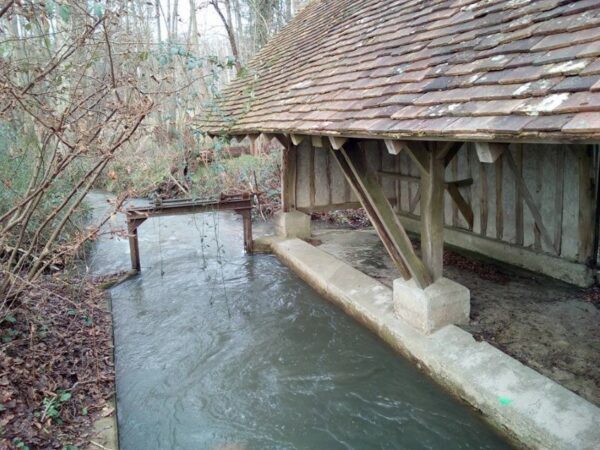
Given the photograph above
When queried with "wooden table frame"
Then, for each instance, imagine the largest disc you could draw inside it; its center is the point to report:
(241, 204)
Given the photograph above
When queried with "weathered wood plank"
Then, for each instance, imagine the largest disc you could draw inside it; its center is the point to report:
(586, 203)
(559, 194)
(364, 182)
(311, 186)
(539, 170)
(297, 138)
(489, 152)
(526, 194)
(499, 199)
(519, 231)
(337, 142)
(461, 204)
(432, 214)
(288, 178)
(454, 169)
(483, 199)
(386, 239)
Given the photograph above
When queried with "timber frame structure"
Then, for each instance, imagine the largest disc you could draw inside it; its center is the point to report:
(474, 123)
(241, 204)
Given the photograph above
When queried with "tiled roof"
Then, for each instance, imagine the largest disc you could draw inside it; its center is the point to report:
(480, 69)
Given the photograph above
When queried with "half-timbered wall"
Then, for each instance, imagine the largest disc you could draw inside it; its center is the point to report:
(549, 184)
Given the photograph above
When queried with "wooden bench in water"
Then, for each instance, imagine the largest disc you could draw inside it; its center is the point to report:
(241, 204)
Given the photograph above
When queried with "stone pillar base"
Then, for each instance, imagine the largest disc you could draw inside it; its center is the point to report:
(293, 224)
(442, 303)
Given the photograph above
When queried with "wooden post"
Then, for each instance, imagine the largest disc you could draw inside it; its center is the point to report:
(288, 178)
(586, 204)
(134, 247)
(432, 213)
(247, 219)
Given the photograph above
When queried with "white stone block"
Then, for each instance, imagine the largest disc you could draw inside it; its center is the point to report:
(293, 224)
(442, 303)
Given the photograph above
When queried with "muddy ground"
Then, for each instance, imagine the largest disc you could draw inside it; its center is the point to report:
(550, 326)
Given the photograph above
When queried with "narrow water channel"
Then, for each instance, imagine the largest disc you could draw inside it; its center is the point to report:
(216, 349)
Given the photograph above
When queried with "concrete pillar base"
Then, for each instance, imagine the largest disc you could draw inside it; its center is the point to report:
(293, 224)
(442, 303)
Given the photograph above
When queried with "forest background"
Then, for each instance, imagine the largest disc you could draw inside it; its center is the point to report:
(100, 95)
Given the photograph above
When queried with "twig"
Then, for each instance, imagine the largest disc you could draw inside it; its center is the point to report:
(179, 185)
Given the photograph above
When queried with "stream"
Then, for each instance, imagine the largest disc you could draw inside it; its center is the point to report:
(216, 349)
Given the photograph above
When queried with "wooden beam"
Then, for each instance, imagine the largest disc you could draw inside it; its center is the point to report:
(586, 204)
(499, 177)
(432, 213)
(529, 200)
(418, 153)
(337, 142)
(392, 250)
(415, 149)
(134, 246)
(281, 138)
(247, 221)
(297, 138)
(462, 205)
(448, 150)
(489, 152)
(519, 217)
(559, 183)
(364, 182)
(316, 141)
(394, 147)
(412, 178)
(288, 177)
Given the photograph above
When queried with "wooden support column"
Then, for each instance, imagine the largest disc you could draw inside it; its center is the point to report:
(247, 220)
(432, 212)
(586, 204)
(134, 246)
(288, 177)
(363, 181)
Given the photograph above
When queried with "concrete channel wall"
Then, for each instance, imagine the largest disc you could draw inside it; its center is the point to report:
(528, 407)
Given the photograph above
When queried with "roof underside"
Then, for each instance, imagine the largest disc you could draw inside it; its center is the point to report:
(510, 70)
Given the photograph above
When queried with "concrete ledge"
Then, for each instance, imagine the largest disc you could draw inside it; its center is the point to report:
(526, 405)
(559, 268)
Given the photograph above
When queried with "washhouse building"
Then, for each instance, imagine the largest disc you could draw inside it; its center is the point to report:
(463, 122)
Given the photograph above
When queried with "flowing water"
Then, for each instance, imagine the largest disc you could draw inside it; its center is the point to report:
(216, 349)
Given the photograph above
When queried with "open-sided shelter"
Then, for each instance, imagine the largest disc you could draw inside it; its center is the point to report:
(474, 122)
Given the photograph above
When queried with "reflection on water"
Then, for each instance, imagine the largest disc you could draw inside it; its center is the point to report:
(219, 350)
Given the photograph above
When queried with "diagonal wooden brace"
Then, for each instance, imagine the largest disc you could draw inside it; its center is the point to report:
(364, 182)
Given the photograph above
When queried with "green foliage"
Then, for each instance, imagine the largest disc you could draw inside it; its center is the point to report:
(52, 405)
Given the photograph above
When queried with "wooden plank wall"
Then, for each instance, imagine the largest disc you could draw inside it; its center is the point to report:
(557, 180)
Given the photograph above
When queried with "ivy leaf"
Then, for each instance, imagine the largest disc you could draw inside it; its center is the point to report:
(64, 11)
(10, 318)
